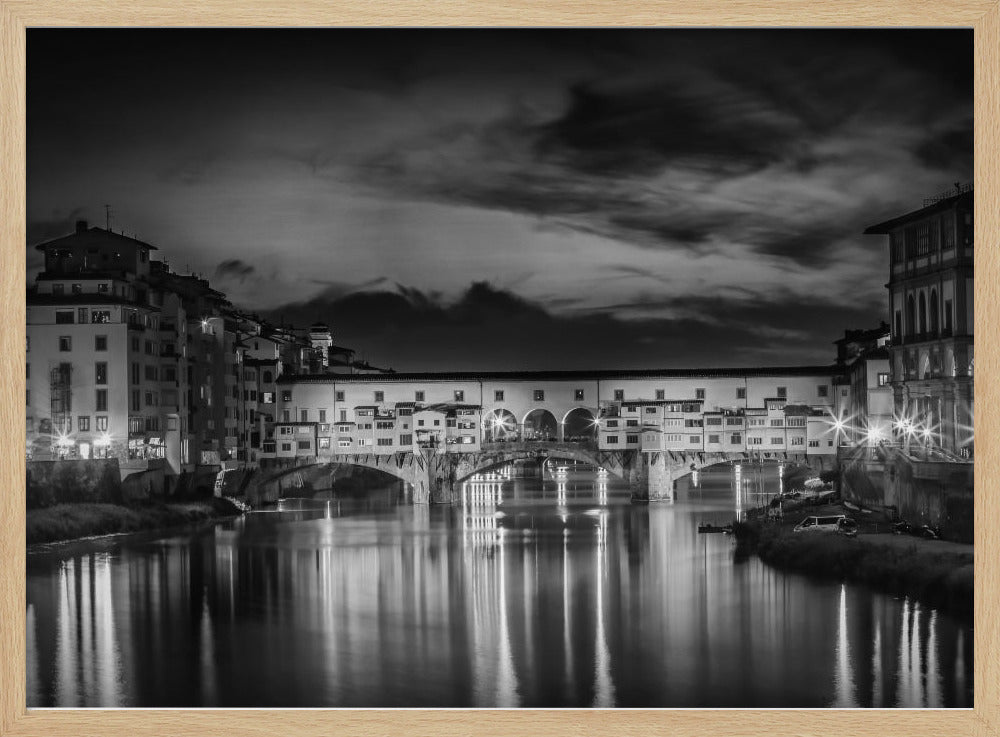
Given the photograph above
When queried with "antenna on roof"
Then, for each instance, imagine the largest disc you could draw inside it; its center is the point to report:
(107, 218)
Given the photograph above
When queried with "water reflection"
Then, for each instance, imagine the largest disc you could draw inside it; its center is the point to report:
(531, 592)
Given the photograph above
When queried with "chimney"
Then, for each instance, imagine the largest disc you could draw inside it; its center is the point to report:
(81, 226)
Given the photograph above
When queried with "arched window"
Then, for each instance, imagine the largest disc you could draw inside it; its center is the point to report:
(911, 316)
(923, 314)
(935, 322)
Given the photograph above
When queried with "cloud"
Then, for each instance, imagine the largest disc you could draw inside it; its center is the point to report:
(234, 269)
(488, 328)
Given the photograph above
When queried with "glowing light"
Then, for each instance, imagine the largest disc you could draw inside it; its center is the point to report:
(103, 441)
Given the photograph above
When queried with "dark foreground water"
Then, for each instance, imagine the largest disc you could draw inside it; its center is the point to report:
(531, 593)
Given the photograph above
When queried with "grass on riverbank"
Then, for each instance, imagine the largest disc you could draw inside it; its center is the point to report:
(71, 521)
(940, 578)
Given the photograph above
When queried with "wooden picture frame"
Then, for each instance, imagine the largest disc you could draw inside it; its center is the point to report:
(17, 15)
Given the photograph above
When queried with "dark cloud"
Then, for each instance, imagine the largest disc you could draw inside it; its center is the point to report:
(234, 269)
(493, 329)
(638, 131)
(949, 151)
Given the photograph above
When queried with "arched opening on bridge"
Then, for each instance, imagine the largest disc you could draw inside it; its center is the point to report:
(579, 425)
(500, 426)
(540, 425)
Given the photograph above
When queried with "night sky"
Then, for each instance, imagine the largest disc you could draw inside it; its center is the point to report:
(462, 199)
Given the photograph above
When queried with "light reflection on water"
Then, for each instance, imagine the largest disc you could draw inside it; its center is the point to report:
(526, 593)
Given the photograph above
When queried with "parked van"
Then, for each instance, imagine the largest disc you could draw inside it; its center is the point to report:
(830, 523)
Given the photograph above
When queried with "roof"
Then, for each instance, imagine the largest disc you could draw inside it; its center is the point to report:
(595, 375)
(947, 203)
(93, 235)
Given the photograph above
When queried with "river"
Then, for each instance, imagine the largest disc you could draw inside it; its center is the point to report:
(530, 593)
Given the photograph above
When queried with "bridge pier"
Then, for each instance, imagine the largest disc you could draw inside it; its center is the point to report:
(651, 478)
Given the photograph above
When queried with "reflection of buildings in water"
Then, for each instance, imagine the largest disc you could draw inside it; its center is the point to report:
(33, 690)
(604, 687)
(494, 680)
(843, 678)
(87, 657)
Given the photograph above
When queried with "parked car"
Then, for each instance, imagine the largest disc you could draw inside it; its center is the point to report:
(848, 527)
(826, 523)
(926, 531)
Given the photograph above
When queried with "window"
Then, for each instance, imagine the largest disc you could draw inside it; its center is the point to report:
(286, 396)
(100, 373)
(418, 396)
(731, 421)
(612, 423)
(364, 441)
(304, 444)
(149, 347)
(379, 397)
(420, 423)
(797, 440)
(947, 318)
(135, 373)
(65, 344)
(498, 395)
(59, 289)
(813, 443)
(777, 423)
(384, 441)
(81, 315)
(777, 441)
(578, 395)
(699, 393)
(83, 423)
(324, 443)
(631, 438)
(459, 395)
(437, 423)
(631, 423)
(612, 440)
(135, 346)
(102, 288)
(337, 397)
(713, 420)
(539, 395)
(795, 421)
(713, 439)
(304, 415)
(822, 389)
(736, 439)
(741, 392)
(286, 447)
(286, 431)
(102, 422)
(619, 395)
(883, 379)
(755, 441)
(150, 399)
(151, 373)
(136, 400)
(782, 392)
(64, 317)
(322, 415)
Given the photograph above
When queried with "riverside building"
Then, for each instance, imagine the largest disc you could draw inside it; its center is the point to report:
(931, 305)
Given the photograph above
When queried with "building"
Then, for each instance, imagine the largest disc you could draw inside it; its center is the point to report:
(867, 409)
(127, 359)
(931, 306)
(769, 412)
(104, 373)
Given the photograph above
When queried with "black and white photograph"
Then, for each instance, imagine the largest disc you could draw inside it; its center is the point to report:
(499, 368)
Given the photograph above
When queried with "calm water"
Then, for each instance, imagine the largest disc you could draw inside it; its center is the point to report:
(531, 593)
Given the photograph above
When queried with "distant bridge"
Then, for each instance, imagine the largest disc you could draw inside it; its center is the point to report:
(435, 476)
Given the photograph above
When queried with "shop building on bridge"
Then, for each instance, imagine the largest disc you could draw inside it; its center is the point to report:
(762, 411)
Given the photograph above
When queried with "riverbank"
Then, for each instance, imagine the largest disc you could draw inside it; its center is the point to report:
(937, 573)
(72, 521)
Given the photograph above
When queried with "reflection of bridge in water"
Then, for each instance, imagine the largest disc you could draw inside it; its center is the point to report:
(436, 476)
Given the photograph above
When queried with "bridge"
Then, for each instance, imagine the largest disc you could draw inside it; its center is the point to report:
(432, 476)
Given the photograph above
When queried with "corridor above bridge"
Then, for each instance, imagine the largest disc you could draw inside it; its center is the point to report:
(765, 410)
